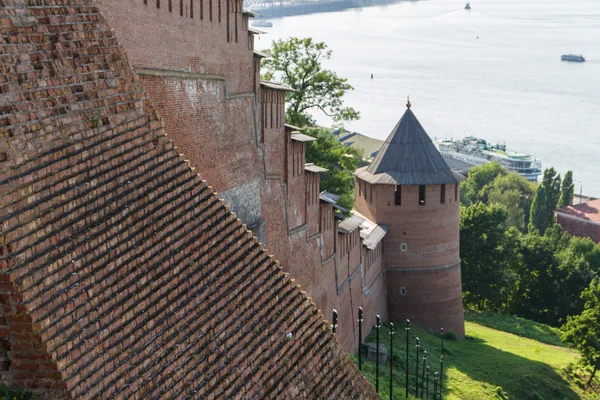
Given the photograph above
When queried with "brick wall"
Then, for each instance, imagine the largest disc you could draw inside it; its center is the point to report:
(421, 253)
(122, 275)
(579, 227)
(205, 86)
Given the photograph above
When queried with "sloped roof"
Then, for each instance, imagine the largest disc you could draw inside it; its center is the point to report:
(408, 157)
(123, 275)
(370, 232)
(350, 224)
(589, 211)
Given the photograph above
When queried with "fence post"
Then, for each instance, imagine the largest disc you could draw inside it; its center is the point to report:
(377, 326)
(360, 321)
(335, 321)
(423, 372)
(407, 347)
(417, 371)
(391, 358)
(435, 382)
(427, 385)
(441, 375)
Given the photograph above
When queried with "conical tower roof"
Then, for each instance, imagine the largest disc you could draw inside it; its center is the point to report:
(408, 157)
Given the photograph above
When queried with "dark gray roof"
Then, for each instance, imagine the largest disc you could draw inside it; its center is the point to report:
(408, 157)
(331, 199)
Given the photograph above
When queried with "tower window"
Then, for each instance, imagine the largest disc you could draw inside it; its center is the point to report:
(456, 191)
(422, 195)
(398, 196)
(443, 194)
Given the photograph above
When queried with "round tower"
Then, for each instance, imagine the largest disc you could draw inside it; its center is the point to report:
(410, 189)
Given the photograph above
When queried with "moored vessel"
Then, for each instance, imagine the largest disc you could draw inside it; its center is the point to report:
(477, 151)
(572, 57)
(262, 23)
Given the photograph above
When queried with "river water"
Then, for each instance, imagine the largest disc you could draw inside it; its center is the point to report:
(494, 72)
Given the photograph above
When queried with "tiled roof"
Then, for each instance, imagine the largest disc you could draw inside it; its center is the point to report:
(123, 275)
(589, 211)
(408, 157)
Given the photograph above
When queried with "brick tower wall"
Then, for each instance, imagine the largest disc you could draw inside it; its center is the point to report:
(421, 252)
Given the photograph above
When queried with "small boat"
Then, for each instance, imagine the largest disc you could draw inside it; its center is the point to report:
(572, 57)
(468, 6)
(262, 23)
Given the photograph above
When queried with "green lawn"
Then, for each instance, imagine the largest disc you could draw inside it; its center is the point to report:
(490, 363)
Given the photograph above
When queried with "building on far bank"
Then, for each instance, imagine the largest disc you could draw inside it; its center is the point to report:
(582, 220)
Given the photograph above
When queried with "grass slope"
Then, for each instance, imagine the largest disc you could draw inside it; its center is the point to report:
(501, 358)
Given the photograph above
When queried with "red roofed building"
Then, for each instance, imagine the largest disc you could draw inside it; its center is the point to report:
(581, 220)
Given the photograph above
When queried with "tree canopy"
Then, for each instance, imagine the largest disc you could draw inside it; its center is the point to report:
(341, 161)
(297, 62)
(567, 190)
(537, 273)
(583, 330)
(545, 201)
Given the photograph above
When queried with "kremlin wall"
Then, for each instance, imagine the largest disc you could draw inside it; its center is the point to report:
(123, 275)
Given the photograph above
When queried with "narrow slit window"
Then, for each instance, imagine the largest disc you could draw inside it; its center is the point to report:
(157, 3)
(443, 194)
(398, 195)
(359, 188)
(456, 191)
(422, 195)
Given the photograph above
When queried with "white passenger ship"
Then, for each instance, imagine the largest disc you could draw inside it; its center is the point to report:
(477, 151)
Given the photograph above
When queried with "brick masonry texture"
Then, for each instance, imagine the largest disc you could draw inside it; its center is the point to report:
(205, 87)
(421, 252)
(122, 274)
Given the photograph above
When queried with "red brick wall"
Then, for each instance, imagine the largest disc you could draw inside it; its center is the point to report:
(122, 275)
(429, 267)
(158, 38)
(212, 131)
(272, 115)
(579, 228)
(206, 88)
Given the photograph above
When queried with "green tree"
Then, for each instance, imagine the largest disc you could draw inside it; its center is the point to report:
(341, 161)
(552, 183)
(515, 193)
(479, 177)
(567, 191)
(483, 251)
(297, 62)
(583, 330)
(538, 218)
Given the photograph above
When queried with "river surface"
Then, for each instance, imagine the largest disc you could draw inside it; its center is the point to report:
(494, 72)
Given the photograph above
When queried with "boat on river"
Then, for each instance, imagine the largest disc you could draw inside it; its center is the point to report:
(477, 151)
(572, 57)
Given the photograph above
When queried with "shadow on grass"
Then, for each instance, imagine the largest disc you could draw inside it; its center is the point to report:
(516, 325)
(490, 370)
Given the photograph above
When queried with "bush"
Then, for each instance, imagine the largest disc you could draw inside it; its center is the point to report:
(450, 335)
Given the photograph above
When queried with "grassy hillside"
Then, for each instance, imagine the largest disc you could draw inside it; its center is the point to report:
(501, 358)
